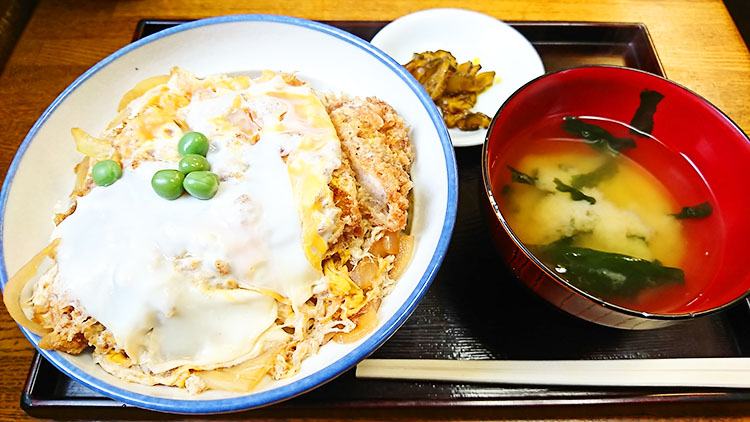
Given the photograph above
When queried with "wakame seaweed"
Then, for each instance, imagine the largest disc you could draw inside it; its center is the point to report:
(606, 274)
(643, 119)
(698, 211)
(520, 177)
(598, 138)
(594, 177)
(575, 194)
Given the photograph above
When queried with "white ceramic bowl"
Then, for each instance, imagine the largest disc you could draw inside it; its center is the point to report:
(468, 35)
(41, 175)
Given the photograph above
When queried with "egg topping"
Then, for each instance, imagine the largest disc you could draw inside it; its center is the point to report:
(192, 282)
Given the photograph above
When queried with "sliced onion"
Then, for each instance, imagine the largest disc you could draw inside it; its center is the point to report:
(82, 170)
(140, 88)
(365, 323)
(406, 247)
(364, 273)
(239, 378)
(386, 245)
(16, 284)
(96, 148)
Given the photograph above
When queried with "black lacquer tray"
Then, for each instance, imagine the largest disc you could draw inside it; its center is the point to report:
(474, 308)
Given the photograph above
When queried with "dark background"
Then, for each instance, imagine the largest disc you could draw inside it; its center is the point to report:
(740, 11)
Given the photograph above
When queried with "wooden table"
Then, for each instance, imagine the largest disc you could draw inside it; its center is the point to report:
(697, 42)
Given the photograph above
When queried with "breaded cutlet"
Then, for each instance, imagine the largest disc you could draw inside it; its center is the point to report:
(375, 140)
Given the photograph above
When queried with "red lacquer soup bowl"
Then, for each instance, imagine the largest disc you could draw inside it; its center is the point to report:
(646, 222)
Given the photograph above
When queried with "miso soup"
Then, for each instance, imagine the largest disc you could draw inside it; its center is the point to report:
(612, 210)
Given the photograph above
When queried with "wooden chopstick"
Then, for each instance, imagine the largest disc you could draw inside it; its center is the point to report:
(681, 372)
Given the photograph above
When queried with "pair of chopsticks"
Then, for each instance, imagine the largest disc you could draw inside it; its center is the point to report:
(680, 372)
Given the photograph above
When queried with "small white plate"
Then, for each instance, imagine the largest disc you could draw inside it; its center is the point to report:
(468, 35)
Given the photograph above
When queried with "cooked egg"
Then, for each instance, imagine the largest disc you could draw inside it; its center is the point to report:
(192, 282)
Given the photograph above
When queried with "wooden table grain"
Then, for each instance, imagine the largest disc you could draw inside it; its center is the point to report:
(697, 42)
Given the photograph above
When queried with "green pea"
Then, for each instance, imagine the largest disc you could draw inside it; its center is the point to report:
(168, 183)
(106, 172)
(193, 162)
(201, 184)
(193, 143)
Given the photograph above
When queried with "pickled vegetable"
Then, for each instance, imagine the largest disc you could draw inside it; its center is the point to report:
(452, 86)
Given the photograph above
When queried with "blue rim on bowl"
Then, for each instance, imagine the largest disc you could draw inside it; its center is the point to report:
(329, 372)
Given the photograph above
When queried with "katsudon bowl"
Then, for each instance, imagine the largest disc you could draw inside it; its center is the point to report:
(618, 196)
(41, 176)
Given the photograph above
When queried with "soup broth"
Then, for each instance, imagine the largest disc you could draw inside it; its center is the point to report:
(606, 219)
